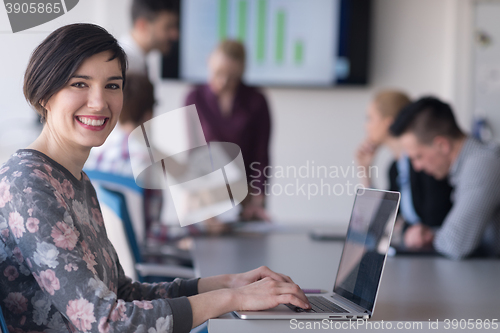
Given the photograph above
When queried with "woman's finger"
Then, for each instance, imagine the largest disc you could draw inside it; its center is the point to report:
(267, 272)
(289, 298)
(285, 288)
(286, 278)
(293, 289)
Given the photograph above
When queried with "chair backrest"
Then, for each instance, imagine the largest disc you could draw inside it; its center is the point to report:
(117, 202)
(118, 237)
(134, 197)
(3, 324)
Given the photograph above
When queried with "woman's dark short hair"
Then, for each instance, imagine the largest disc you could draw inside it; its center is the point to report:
(58, 57)
(138, 99)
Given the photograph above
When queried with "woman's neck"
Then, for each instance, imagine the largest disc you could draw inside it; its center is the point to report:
(71, 158)
(226, 100)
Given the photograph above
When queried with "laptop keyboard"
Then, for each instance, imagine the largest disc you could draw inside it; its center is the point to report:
(319, 305)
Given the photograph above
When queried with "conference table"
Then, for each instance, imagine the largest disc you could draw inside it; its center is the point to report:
(414, 289)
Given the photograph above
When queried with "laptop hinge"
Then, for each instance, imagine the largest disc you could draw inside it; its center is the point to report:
(349, 304)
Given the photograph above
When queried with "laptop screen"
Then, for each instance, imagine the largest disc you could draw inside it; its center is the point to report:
(366, 245)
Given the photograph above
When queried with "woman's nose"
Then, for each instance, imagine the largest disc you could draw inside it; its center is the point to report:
(96, 99)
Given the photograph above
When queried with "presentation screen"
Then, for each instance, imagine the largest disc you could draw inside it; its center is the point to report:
(288, 42)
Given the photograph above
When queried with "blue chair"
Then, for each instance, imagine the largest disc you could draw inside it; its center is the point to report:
(111, 190)
(111, 178)
(135, 205)
(146, 272)
(133, 195)
(3, 324)
(116, 201)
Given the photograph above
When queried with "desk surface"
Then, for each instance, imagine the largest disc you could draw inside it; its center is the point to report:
(413, 288)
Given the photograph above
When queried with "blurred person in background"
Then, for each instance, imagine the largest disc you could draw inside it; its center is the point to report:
(436, 145)
(424, 200)
(231, 111)
(155, 26)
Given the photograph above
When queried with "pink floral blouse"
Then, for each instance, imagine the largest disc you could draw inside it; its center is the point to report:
(58, 270)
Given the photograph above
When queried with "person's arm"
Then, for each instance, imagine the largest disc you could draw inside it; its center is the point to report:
(195, 135)
(475, 202)
(258, 289)
(69, 271)
(262, 130)
(263, 294)
(364, 158)
(431, 198)
(431, 201)
(210, 297)
(239, 280)
(418, 237)
(253, 206)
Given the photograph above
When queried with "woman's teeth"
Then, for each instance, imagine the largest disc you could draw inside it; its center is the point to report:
(91, 122)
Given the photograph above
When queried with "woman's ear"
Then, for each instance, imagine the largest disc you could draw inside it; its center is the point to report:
(44, 112)
(43, 104)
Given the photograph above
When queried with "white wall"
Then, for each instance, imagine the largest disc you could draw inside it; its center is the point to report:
(417, 45)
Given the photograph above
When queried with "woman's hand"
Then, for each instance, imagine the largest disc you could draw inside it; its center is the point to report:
(243, 279)
(419, 237)
(268, 293)
(364, 158)
(260, 295)
(365, 154)
(233, 281)
(253, 208)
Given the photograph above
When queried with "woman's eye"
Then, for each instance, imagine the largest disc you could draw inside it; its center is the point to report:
(79, 85)
(113, 86)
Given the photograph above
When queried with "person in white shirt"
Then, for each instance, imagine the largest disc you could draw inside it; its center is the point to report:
(154, 27)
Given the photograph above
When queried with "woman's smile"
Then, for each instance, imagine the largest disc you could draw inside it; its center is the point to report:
(93, 123)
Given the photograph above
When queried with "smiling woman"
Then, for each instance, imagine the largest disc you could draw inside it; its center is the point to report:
(74, 81)
(60, 271)
(82, 114)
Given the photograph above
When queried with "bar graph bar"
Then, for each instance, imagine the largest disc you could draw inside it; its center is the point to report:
(271, 30)
(299, 52)
(242, 20)
(280, 36)
(223, 18)
(261, 30)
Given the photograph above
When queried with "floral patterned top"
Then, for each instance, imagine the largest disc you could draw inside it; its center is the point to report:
(58, 270)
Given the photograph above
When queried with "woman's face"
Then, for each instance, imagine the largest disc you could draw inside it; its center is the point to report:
(224, 73)
(83, 113)
(377, 126)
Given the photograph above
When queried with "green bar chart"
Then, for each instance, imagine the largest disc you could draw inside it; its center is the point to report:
(223, 18)
(269, 30)
(242, 20)
(286, 41)
(280, 36)
(261, 30)
(299, 52)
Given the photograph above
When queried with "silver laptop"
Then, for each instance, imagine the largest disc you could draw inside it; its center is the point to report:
(361, 265)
